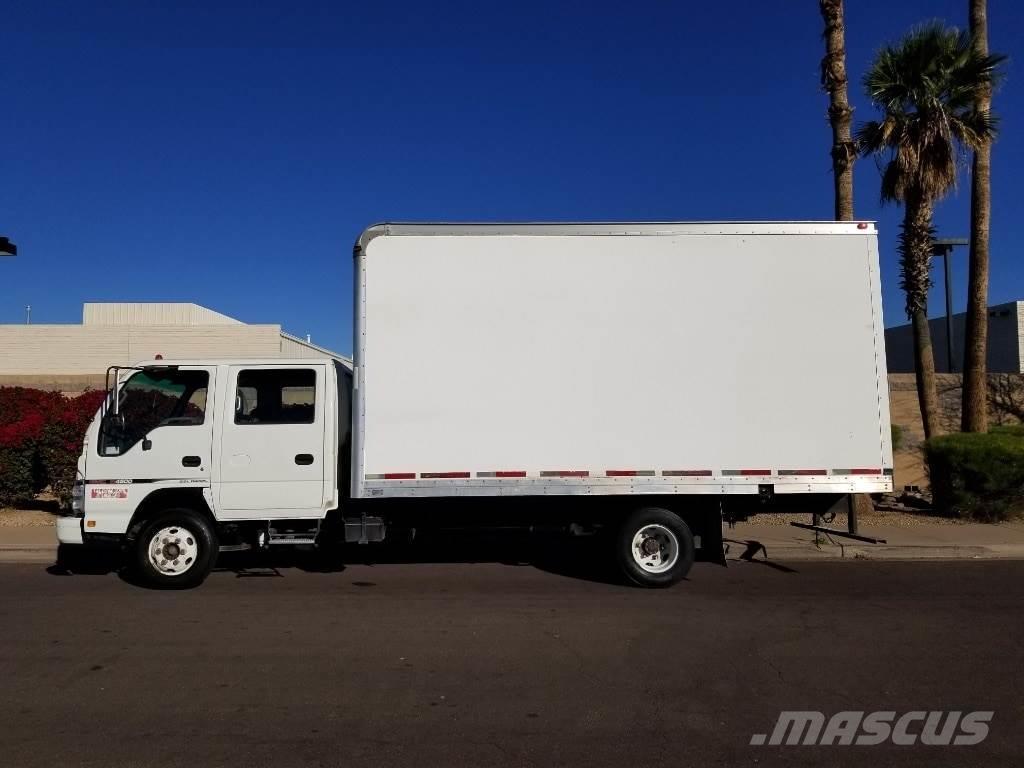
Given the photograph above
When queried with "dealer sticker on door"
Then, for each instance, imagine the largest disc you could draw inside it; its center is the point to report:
(109, 493)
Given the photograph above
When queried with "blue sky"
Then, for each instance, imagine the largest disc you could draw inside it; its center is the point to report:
(230, 153)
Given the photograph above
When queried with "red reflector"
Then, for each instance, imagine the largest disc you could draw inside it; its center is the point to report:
(442, 475)
(865, 471)
(749, 472)
(399, 475)
(511, 473)
(621, 473)
(862, 225)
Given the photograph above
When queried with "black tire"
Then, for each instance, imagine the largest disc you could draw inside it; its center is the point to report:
(72, 558)
(188, 532)
(669, 533)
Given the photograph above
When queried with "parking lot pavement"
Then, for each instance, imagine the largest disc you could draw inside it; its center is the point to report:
(500, 664)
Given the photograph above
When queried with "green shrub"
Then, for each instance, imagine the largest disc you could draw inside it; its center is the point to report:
(18, 473)
(1013, 430)
(978, 476)
(897, 436)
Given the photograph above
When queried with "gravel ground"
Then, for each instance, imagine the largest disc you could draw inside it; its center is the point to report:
(886, 519)
(17, 518)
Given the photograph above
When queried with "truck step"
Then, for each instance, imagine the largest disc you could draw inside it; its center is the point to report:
(291, 538)
(234, 547)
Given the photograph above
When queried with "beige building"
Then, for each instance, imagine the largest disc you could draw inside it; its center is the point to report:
(75, 357)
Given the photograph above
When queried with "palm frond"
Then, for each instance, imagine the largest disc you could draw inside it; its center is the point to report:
(925, 87)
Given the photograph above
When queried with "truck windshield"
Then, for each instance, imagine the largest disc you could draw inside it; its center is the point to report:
(150, 399)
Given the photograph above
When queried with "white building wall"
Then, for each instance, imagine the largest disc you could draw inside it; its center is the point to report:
(85, 349)
(50, 349)
(157, 313)
(128, 333)
(145, 342)
(292, 346)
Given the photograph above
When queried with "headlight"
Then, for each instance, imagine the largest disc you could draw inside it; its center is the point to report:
(78, 497)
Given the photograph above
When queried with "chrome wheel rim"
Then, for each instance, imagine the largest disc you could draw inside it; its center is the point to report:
(173, 550)
(655, 548)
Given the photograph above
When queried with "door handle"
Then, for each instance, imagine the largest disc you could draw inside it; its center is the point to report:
(191, 461)
(303, 458)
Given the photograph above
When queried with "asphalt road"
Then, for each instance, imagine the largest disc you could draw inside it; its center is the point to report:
(449, 664)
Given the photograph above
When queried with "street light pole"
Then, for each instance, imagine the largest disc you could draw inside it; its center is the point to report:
(944, 247)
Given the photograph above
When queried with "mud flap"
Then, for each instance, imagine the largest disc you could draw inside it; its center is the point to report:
(712, 542)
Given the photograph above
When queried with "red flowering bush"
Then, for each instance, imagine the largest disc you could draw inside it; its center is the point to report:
(24, 414)
(40, 439)
(61, 441)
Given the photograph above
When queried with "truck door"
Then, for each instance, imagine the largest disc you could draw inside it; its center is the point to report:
(162, 433)
(272, 442)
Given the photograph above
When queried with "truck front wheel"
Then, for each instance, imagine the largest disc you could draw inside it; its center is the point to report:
(654, 548)
(175, 550)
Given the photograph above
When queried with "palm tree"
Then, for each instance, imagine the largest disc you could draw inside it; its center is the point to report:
(833, 80)
(975, 395)
(924, 86)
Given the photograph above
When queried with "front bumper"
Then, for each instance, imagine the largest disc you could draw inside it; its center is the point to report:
(69, 529)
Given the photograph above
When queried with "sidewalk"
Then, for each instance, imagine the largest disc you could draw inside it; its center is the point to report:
(923, 540)
(28, 544)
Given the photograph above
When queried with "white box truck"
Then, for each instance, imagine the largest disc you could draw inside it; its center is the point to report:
(637, 379)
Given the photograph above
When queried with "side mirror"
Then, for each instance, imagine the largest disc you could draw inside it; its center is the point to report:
(146, 444)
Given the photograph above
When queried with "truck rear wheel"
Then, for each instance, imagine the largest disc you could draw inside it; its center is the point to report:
(654, 547)
(175, 550)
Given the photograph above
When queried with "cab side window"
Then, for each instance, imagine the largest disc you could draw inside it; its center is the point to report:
(276, 396)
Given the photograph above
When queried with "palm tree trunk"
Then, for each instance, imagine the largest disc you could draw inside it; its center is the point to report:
(916, 247)
(924, 365)
(975, 393)
(833, 80)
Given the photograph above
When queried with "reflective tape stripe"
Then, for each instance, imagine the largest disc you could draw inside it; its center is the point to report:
(521, 473)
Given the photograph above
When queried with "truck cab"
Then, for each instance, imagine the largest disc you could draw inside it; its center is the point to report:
(187, 457)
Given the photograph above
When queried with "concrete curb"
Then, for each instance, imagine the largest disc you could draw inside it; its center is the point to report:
(39, 545)
(28, 554)
(780, 553)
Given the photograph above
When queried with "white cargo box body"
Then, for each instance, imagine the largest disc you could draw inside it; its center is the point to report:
(619, 358)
